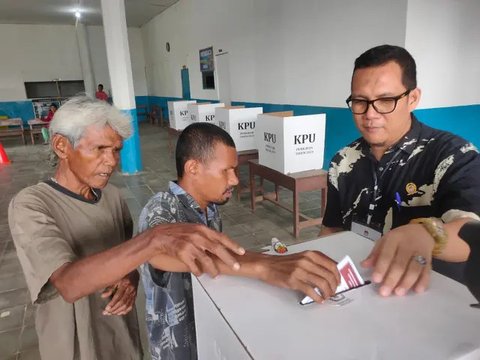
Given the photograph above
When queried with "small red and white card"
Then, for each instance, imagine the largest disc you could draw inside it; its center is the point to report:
(349, 278)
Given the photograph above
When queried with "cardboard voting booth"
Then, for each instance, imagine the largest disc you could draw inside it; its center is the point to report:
(290, 144)
(178, 114)
(241, 318)
(239, 122)
(204, 112)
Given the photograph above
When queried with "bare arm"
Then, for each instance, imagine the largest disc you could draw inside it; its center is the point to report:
(194, 245)
(302, 271)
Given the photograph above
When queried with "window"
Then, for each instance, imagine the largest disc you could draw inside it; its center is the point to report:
(54, 89)
(208, 80)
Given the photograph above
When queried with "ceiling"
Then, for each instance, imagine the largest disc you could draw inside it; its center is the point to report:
(138, 12)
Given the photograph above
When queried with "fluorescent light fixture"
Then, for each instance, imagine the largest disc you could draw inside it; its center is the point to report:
(78, 14)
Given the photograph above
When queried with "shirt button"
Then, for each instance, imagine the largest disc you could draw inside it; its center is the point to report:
(380, 168)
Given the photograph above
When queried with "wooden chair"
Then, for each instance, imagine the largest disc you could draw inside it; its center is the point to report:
(156, 116)
(12, 127)
(36, 126)
(142, 112)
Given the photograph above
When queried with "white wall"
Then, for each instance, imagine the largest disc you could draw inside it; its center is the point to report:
(280, 51)
(36, 53)
(444, 38)
(96, 40)
(47, 52)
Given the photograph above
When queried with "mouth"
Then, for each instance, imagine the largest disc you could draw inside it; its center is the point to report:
(228, 192)
(105, 175)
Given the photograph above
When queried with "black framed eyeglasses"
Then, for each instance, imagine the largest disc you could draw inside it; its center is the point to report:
(384, 105)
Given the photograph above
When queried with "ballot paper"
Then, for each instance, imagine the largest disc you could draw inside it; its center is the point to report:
(349, 279)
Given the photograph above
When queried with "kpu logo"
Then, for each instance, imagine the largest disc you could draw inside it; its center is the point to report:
(209, 117)
(183, 113)
(302, 139)
(268, 137)
(246, 125)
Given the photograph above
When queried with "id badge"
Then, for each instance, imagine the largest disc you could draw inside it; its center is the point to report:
(365, 230)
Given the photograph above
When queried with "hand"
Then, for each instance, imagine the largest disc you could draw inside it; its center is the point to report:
(123, 295)
(196, 246)
(393, 263)
(303, 272)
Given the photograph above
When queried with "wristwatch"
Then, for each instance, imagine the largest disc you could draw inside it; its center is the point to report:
(435, 228)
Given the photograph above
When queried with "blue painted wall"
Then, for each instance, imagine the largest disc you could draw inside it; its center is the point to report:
(14, 109)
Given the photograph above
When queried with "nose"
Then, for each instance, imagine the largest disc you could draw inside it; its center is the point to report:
(111, 158)
(233, 179)
(371, 112)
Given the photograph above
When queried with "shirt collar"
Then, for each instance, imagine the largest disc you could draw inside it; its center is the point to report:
(188, 201)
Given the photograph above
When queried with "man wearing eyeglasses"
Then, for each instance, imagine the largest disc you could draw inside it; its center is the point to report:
(403, 184)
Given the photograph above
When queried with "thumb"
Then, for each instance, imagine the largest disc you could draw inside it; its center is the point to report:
(107, 292)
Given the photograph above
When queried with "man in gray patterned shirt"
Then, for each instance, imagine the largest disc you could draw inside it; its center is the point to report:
(206, 160)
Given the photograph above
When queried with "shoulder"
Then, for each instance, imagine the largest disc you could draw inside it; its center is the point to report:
(161, 208)
(444, 141)
(34, 195)
(345, 159)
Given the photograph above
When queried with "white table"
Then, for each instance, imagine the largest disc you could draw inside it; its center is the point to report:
(239, 318)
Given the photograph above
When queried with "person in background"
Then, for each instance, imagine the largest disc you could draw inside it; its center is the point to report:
(403, 184)
(51, 112)
(100, 94)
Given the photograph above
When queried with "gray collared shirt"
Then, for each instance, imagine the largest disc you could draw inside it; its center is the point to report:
(169, 298)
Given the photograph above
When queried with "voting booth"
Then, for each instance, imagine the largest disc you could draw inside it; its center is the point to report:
(239, 122)
(178, 114)
(241, 318)
(290, 144)
(204, 112)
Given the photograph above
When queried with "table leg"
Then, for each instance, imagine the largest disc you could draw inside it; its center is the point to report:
(296, 213)
(324, 202)
(253, 191)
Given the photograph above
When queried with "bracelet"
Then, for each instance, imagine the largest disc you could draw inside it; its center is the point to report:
(435, 228)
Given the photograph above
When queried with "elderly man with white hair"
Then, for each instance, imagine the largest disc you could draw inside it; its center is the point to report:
(73, 235)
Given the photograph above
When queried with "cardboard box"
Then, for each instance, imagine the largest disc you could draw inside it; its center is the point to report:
(204, 112)
(178, 114)
(239, 122)
(243, 318)
(289, 143)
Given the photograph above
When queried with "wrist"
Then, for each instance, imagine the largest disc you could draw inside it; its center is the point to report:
(436, 230)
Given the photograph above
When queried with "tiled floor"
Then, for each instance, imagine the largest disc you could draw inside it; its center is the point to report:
(30, 164)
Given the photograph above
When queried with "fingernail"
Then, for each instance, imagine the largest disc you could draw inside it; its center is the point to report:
(241, 250)
(400, 291)
(420, 289)
(108, 308)
(385, 291)
(377, 278)
(236, 266)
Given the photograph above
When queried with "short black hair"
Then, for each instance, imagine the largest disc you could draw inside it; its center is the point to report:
(100, 85)
(380, 55)
(54, 105)
(197, 141)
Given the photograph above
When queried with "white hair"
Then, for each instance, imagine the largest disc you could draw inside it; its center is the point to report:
(80, 112)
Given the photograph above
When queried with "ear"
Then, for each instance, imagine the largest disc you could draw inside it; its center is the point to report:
(191, 167)
(414, 98)
(61, 146)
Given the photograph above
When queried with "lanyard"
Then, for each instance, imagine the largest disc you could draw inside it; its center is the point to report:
(376, 190)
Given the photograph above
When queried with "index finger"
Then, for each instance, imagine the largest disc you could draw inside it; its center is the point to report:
(224, 240)
(384, 260)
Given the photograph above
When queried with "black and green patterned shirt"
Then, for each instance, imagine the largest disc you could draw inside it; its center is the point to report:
(429, 173)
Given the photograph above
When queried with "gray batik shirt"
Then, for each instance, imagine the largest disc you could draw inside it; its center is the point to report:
(169, 298)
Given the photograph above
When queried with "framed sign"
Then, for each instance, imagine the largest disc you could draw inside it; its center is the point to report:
(206, 59)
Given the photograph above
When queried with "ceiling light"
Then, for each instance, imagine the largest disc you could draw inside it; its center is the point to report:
(78, 14)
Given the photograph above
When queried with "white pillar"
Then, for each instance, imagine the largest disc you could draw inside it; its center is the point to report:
(120, 70)
(85, 60)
